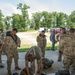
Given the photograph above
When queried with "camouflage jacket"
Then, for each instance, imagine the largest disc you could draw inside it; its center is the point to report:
(41, 41)
(9, 42)
(68, 45)
(60, 36)
(2, 36)
(35, 50)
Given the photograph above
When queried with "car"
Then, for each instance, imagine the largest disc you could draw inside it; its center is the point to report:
(40, 29)
(45, 29)
(57, 30)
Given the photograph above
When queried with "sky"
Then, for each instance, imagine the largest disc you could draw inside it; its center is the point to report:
(8, 7)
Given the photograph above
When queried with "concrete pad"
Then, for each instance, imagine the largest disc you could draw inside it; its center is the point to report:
(49, 54)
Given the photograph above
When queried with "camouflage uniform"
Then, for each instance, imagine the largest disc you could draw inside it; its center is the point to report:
(41, 42)
(1, 43)
(59, 37)
(11, 50)
(68, 47)
(35, 50)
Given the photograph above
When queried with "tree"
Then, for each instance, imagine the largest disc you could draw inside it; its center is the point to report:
(72, 19)
(54, 19)
(46, 19)
(1, 19)
(61, 19)
(25, 15)
(7, 21)
(18, 22)
(36, 18)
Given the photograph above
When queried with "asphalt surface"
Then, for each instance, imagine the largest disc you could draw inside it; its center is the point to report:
(49, 54)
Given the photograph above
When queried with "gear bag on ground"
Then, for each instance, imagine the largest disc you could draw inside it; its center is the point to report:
(47, 63)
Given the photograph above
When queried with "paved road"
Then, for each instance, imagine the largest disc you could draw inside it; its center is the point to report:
(49, 55)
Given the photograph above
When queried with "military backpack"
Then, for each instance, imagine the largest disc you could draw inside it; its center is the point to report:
(47, 63)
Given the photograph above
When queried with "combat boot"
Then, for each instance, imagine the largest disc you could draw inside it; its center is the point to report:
(9, 72)
(1, 65)
(17, 68)
(59, 60)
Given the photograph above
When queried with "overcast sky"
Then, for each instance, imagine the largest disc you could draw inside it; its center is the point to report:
(9, 6)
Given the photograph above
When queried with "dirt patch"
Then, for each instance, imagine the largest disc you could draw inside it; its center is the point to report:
(30, 37)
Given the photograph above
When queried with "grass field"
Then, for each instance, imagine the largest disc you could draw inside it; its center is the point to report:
(28, 39)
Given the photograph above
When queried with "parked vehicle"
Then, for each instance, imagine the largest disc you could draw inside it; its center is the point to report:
(45, 29)
(57, 30)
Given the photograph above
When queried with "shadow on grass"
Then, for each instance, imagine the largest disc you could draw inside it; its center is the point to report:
(26, 49)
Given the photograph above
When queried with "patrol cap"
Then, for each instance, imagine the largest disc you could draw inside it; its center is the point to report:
(72, 30)
(15, 29)
(43, 31)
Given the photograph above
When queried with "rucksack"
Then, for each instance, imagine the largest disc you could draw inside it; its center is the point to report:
(47, 63)
(63, 71)
(8, 33)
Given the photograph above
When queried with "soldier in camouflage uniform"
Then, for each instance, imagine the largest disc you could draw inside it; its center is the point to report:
(59, 37)
(41, 42)
(33, 53)
(11, 44)
(68, 47)
(1, 45)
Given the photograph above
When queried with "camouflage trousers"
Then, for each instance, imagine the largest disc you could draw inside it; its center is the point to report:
(69, 62)
(0, 52)
(11, 53)
(0, 56)
(43, 52)
(60, 55)
(32, 69)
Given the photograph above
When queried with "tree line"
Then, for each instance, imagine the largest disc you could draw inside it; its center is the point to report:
(38, 19)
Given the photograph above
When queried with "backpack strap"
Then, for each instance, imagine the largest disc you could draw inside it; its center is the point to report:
(14, 38)
(34, 51)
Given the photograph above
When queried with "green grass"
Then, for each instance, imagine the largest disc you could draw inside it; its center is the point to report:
(26, 47)
(48, 47)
